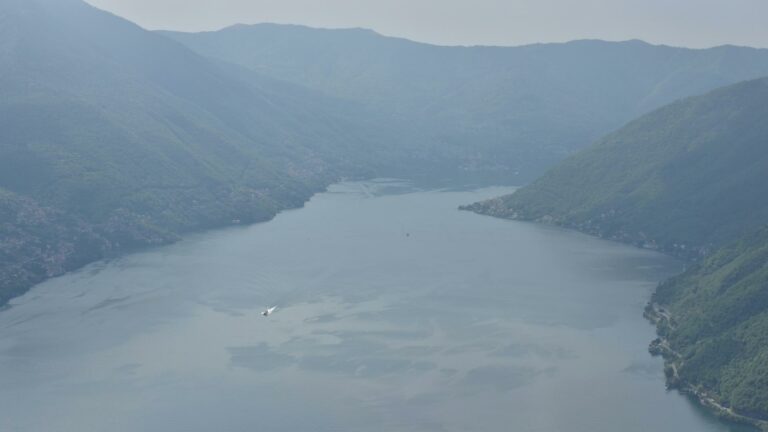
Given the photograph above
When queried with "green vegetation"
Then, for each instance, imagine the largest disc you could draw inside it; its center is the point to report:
(719, 325)
(112, 137)
(684, 179)
(689, 179)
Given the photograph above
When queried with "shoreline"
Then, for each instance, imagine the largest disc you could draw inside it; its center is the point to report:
(168, 238)
(659, 316)
(656, 315)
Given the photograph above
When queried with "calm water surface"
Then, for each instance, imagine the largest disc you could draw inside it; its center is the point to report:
(396, 313)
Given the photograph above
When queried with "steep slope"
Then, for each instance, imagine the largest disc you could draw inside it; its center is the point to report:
(689, 179)
(716, 336)
(130, 138)
(684, 179)
(517, 109)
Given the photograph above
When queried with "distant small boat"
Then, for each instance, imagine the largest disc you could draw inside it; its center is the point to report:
(269, 311)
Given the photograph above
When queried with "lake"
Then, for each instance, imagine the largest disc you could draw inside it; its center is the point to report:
(396, 312)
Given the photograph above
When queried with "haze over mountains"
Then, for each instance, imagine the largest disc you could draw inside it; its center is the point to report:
(517, 109)
(113, 137)
(135, 138)
(138, 139)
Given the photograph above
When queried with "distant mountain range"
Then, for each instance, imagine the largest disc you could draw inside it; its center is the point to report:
(690, 179)
(493, 109)
(113, 137)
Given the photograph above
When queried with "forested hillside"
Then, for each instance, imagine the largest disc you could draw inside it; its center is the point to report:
(114, 137)
(684, 179)
(132, 137)
(718, 331)
(689, 179)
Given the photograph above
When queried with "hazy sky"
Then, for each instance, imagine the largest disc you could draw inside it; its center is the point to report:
(694, 23)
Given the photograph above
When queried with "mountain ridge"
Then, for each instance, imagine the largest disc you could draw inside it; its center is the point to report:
(244, 25)
(505, 109)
